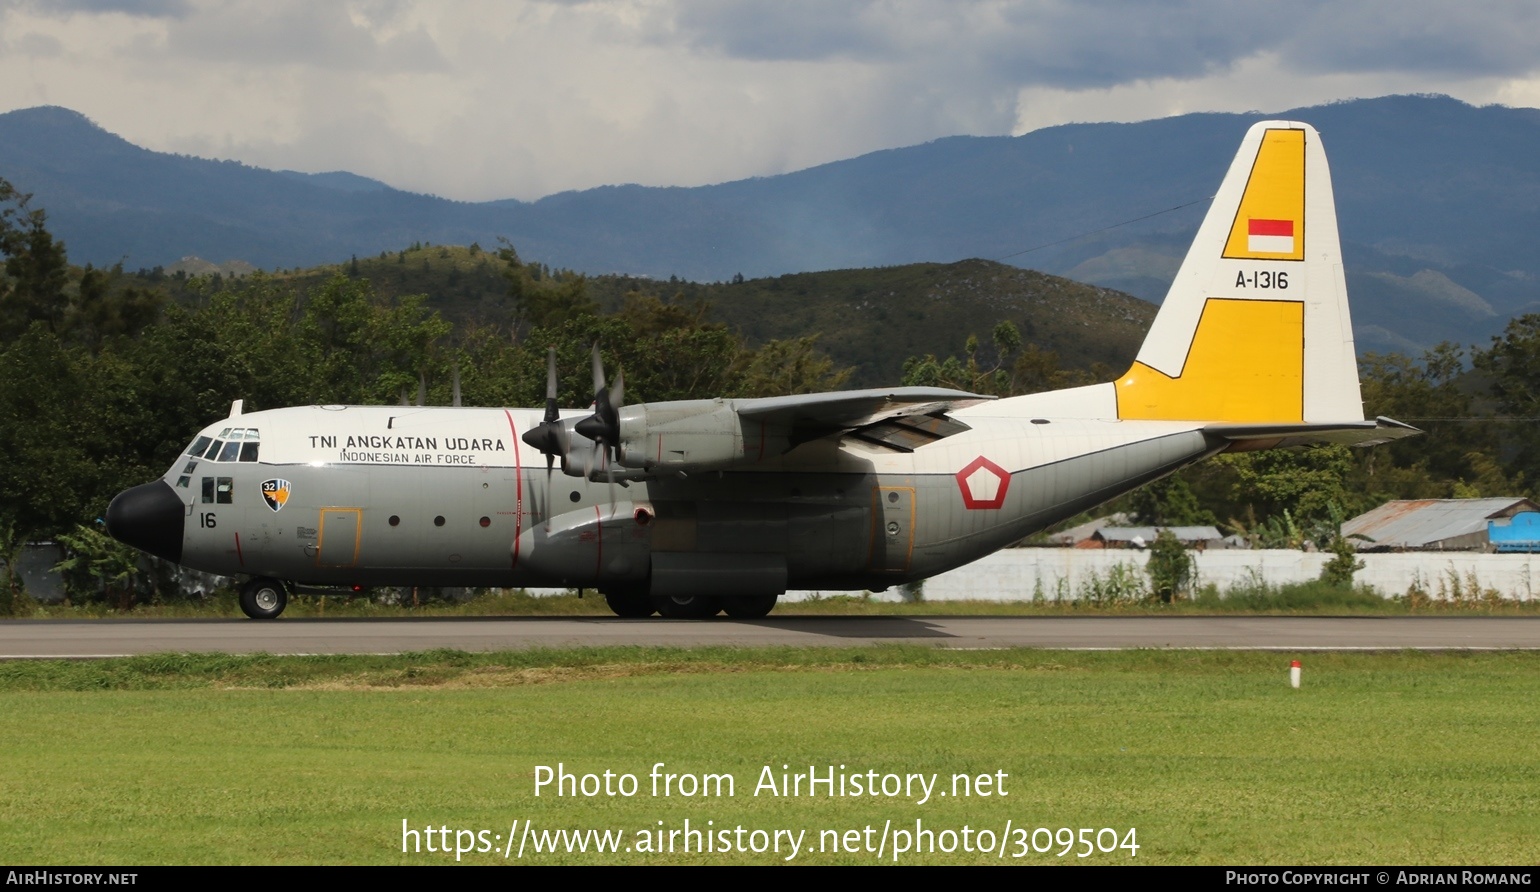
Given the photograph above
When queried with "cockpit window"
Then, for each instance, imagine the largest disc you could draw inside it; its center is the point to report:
(239, 444)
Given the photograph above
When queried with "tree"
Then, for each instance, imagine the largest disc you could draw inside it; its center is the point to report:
(1303, 482)
(1458, 457)
(1169, 502)
(542, 301)
(1344, 561)
(1170, 567)
(99, 558)
(36, 269)
(969, 374)
(1512, 365)
(787, 367)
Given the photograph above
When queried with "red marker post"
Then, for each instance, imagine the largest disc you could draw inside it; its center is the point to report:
(1294, 674)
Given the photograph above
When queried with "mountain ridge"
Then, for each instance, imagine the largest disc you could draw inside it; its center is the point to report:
(1425, 185)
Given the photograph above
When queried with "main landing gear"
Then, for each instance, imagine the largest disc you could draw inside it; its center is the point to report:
(264, 598)
(634, 604)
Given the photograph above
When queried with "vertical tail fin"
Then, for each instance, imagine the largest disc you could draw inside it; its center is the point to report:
(1255, 327)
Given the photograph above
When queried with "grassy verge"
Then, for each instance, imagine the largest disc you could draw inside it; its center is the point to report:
(1312, 598)
(1422, 758)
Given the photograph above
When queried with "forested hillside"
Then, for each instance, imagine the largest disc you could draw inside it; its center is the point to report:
(867, 320)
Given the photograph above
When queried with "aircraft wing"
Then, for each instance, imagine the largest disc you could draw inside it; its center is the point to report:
(1244, 436)
(813, 415)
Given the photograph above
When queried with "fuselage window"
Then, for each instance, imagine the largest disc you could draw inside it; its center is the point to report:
(249, 451)
(208, 490)
(198, 447)
(225, 491)
(230, 452)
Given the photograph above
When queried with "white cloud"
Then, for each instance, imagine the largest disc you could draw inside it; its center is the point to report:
(485, 99)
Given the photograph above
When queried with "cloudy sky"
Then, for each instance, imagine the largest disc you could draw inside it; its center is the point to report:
(480, 99)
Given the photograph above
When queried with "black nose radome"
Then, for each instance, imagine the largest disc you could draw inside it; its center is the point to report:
(150, 518)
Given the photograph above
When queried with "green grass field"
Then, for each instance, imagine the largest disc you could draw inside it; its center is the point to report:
(1424, 758)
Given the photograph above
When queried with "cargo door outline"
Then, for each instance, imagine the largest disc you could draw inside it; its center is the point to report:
(339, 554)
(891, 549)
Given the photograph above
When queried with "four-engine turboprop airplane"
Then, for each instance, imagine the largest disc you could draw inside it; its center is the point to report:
(725, 504)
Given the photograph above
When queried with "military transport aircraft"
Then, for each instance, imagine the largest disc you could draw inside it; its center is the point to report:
(691, 507)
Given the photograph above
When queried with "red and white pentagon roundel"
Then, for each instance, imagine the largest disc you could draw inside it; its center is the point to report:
(983, 484)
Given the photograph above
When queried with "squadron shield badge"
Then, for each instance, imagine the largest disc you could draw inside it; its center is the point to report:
(276, 493)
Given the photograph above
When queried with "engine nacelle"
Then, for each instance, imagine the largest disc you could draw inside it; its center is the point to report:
(692, 435)
(609, 544)
(582, 459)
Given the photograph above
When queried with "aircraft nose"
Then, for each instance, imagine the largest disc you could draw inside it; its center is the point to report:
(150, 518)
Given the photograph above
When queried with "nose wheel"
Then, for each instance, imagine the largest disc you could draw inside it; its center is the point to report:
(264, 598)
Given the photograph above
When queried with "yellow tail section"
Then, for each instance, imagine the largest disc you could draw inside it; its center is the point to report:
(1255, 327)
(1247, 364)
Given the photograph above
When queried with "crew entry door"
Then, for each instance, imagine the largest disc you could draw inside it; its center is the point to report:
(337, 542)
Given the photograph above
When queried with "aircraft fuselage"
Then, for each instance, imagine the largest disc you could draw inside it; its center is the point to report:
(451, 497)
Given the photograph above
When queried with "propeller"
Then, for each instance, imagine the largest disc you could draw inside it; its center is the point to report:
(603, 427)
(547, 435)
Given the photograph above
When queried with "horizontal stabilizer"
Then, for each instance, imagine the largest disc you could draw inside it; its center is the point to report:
(1246, 437)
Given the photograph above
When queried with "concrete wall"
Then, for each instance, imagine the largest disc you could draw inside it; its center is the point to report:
(35, 567)
(1017, 574)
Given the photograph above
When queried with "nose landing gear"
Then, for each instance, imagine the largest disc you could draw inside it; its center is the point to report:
(264, 598)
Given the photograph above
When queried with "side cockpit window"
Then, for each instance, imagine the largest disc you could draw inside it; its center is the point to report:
(218, 490)
(199, 446)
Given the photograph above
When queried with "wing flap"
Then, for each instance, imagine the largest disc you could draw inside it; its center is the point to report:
(819, 414)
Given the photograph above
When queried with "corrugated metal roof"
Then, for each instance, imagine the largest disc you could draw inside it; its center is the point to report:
(1086, 530)
(1423, 523)
(1128, 534)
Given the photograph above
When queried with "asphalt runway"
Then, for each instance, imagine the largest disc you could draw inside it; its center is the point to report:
(33, 639)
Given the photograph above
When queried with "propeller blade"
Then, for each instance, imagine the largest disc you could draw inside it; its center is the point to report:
(598, 372)
(422, 390)
(618, 392)
(551, 412)
(550, 462)
(456, 388)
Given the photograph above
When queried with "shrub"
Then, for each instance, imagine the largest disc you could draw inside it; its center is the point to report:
(1172, 570)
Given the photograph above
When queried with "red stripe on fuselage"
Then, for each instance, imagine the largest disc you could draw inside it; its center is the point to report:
(518, 489)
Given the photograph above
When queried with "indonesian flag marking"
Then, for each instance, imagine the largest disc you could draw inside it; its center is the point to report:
(1270, 236)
